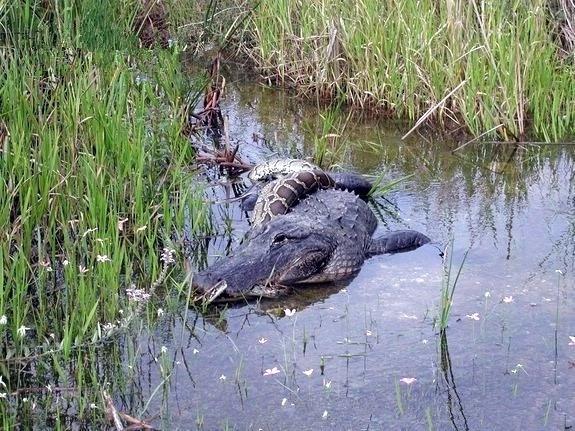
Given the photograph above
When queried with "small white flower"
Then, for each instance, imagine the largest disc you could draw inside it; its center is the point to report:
(508, 299)
(65, 262)
(195, 351)
(308, 372)
(263, 340)
(408, 380)
(425, 341)
(22, 331)
(3, 319)
(3, 395)
(164, 349)
(572, 342)
(25, 400)
(137, 295)
(327, 383)
(49, 388)
(160, 312)
(93, 406)
(82, 269)
(289, 312)
(474, 316)
(223, 377)
(168, 256)
(487, 294)
(271, 371)
(121, 223)
(284, 401)
(368, 333)
(324, 415)
(103, 258)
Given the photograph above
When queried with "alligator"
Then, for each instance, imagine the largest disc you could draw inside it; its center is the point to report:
(307, 232)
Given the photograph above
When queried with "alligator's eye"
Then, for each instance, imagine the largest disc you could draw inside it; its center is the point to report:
(279, 239)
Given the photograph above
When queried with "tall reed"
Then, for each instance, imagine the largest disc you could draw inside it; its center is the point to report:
(403, 57)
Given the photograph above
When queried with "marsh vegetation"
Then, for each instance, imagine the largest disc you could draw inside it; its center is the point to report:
(105, 210)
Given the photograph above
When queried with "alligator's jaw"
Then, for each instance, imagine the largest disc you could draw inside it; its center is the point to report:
(211, 294)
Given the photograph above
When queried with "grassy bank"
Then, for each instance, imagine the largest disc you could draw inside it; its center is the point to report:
(500, 66)
(93, 165)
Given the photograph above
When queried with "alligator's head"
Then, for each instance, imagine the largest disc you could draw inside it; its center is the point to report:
(280, 254)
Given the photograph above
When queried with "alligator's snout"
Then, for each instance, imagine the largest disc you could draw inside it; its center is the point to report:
(208, 287)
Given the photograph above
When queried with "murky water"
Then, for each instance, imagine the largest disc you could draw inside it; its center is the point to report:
(346, 357)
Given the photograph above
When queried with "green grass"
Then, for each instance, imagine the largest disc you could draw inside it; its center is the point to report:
(93, 166)
(448, 285)
(403, 57)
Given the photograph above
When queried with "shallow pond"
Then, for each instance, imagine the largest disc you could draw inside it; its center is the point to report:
(366, 354)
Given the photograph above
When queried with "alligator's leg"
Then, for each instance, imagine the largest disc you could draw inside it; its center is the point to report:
(397, 242)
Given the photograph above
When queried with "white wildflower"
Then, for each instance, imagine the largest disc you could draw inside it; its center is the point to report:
(3, 319)
(223, 377)
(263, 340)
(160, 312)
(137, 295)
(103, 258)
(271, 371)
(121, 223)
(508, 299)
(308, 372)
(168, 256)
(408, 380)
(22, 331)
(289, 312)
(82, 269)
(474, 316)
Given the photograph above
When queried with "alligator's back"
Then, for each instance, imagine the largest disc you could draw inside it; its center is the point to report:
(334, 216)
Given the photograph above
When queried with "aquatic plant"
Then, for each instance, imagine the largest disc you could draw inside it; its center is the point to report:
(448, 285)
(484, 67)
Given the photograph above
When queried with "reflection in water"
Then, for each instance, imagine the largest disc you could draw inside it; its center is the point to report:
(242, 366)
(456, 413)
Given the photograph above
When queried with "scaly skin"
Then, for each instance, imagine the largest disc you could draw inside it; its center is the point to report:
(303, 231)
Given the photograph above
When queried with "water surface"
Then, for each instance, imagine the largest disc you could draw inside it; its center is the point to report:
(343, 357)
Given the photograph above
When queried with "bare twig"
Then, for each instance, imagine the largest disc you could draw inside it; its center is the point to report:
(433, 109)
